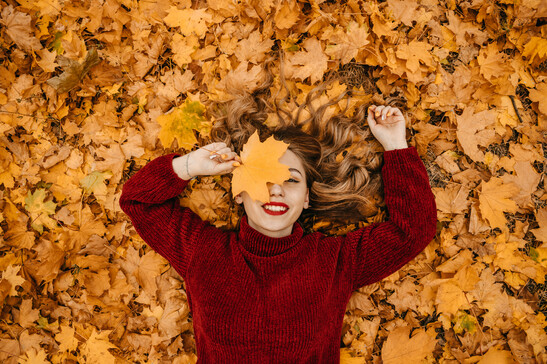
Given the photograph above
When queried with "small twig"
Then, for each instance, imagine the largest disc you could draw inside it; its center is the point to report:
(515, 107)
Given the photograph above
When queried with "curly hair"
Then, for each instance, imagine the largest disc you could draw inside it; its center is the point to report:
(341, 184)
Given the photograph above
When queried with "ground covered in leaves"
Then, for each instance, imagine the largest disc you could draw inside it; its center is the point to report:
(90, 91)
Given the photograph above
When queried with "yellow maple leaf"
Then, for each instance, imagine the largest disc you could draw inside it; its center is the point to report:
(536, 47)
(260, 165)
(541, 232)
(400, 347)
(34, 356)
(473, 130)
(346, 358)
(189, 20)
(66, 339)
(95, 183)
(180, 122)
(413, 53)
(496, 356)
(311, 63)
(450, 298)
(96, 348)
(39, 210)
(539, 95)
(10, 274)
(494, 200)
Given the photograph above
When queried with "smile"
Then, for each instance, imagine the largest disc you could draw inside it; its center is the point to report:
(275, 208)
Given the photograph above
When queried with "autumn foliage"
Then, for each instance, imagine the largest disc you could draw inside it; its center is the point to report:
(90, 91)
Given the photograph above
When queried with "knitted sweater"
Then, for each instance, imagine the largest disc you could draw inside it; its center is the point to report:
(256, 299)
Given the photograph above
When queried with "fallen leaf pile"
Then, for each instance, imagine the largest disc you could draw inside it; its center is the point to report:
(90, 91)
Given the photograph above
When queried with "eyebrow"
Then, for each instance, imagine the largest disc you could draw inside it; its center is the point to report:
(295, 170)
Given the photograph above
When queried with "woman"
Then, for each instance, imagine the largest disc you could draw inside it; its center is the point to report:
(268, 293)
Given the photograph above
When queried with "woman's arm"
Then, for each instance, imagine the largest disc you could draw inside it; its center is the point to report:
(380, 249)
(149, 198)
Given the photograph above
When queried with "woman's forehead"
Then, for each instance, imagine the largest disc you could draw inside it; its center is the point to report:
(289, 158)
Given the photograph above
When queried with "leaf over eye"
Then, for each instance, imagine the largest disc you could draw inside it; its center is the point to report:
(260, 166)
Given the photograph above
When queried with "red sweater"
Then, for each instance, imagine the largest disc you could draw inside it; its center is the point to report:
(256, 299)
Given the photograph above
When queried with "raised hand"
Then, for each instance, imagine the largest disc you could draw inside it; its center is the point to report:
(212, 159)
(388, 125)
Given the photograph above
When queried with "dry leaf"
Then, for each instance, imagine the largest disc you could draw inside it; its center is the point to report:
(74, 71)
(260, 166)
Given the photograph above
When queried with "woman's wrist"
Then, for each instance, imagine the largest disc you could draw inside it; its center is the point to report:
(400, 145)
(182, 167)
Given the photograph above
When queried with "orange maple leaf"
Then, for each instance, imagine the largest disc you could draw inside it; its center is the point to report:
(260, 165)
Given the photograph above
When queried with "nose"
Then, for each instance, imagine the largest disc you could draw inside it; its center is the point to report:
(275, 189)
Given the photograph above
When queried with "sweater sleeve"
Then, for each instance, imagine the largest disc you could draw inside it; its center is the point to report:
(149, 198)
(381, 249)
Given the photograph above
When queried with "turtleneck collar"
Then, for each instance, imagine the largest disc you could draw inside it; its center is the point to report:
(262, 245)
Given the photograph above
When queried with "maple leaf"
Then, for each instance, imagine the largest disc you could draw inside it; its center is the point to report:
(19, 236)
(19, 29)
(189, 20)
(39, 210)
(253, 49)
(400, 347)
(414, 52)
(183, 48)
(35, 356)
(95, 183)
(47, 60)
(536, 47)
(240, 81)
(260, 165)
(347, 43)
(493, 63)
(66, 339)
(44, 7)
(450, 298)
(310, 63)
(180, 122)
(10, 274)
(541, 232)
(95, 349)
(494, 199)
(539, 95)
(204, 202)
(473, 130)
(464, 322)
(287, 15)
(27, 314)
(496, 355)
(74, 71)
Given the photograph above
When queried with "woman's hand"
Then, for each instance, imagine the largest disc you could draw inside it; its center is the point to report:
(212, 159)
(388, 125)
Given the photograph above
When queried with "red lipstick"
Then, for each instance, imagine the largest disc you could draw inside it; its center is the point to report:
(278, 208)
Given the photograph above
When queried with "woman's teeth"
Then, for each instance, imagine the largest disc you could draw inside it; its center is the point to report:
(275, 208)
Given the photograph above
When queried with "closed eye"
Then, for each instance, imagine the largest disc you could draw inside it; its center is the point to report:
(292, 180)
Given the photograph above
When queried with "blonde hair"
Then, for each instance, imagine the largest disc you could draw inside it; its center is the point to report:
(342, 185)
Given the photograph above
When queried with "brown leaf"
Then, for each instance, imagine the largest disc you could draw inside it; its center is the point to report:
(74, 71)
(19, 29)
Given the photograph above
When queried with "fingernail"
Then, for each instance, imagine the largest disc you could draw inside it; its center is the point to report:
(224, 156)
(236, 164)
(212, 156)
(384, 117)
(377, 114)
(212, 152)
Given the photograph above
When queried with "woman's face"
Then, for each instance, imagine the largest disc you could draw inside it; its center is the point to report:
(276, 218)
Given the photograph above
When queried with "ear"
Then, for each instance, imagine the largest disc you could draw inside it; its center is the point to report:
(307, 200)
(238, 199)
